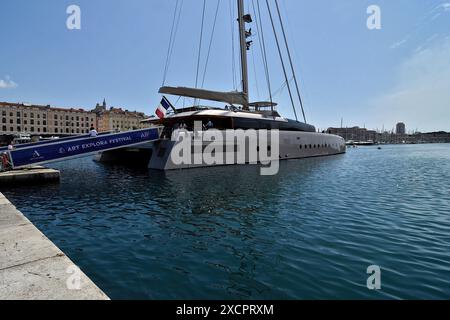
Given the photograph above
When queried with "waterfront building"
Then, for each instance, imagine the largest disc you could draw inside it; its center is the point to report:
(19, 118)
(117, 119)
(400, 128)
(44, 120)
(354, 133)
(361, 134)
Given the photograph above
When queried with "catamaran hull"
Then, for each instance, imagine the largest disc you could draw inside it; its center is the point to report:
(292, 145)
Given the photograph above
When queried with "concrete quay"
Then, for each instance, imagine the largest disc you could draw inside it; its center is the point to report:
(30, 175)
(33, 268)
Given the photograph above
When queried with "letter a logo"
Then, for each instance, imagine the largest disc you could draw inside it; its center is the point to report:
(74, 20)
(374, 20)
(374, 281)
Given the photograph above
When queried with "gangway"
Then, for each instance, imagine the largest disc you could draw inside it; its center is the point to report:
(58, 140)
(75, 147)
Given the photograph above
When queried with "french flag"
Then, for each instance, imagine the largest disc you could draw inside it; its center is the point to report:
(165, 105)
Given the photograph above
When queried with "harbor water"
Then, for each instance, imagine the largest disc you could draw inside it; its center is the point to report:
(309, 232)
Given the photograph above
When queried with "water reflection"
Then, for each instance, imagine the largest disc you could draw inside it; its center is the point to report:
(309, 232)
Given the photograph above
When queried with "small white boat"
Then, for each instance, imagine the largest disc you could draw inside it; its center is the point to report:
(22, 138)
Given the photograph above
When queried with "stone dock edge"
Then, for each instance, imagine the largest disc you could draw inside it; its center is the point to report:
(30, 175)
(33, 268)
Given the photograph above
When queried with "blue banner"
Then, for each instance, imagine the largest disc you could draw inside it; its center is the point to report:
(59, 140)
(84, 146)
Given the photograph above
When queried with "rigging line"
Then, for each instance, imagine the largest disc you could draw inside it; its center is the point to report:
(295, 55)
(256, 75)
(200, 43)
(176, 102)
(233, 50)
(281, 58)
(290, 60)
(210, 42)
(263, 47)
(170, 43)
(238, 74)
(175, 35)
(281, 88)
(176, 29)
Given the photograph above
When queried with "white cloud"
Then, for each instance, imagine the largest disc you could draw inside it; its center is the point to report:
(7, 83)
(427, 18)
(399, 43)
(440, 9)
(445, 6)
(420, 95)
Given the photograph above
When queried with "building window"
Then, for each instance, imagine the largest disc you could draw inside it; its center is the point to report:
(4, 121)
(39, 129)
(32, 115)
(44, 122)
(56, 123)
(25, 115)
(11, 129)
(56, 130)
(18, 120)
(25, 121)
(11, 114)
(32, 129)
(4, 128)
(55, 117)
(44, 129)
(31, 121)
(11, 121)
(18, 129)
(44, 116)
(4, 114)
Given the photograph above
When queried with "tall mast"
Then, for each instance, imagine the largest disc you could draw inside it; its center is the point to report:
(243, 44)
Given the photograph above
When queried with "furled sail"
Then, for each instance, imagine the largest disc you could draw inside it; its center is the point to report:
(233, 98)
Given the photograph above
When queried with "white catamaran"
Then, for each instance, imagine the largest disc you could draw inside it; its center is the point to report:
(296, 139)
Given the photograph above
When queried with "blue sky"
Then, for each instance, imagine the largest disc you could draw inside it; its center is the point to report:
(367, 77)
